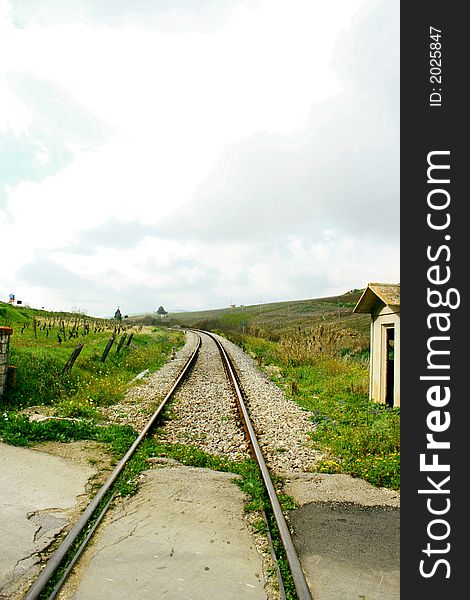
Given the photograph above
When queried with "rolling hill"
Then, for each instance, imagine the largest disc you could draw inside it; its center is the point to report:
(277, 319)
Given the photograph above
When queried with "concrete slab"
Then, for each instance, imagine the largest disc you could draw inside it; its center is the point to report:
(38, 492)
(323, 487)
(349, 551)
(347, 534)
(182, 537)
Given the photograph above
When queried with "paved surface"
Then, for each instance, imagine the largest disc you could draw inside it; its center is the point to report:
(182, 537)
(37, 493)
(349, 552)
(347, 536)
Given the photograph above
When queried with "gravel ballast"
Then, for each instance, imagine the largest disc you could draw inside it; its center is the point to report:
(203, 411)
(281, 426)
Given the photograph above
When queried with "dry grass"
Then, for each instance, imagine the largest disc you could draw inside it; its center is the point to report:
(324, 340)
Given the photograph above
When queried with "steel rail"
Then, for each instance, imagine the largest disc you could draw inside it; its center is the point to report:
(298, 576)
(57, 558)
(77, 555)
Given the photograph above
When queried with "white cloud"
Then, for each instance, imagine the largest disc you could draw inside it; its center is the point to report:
(175, 106)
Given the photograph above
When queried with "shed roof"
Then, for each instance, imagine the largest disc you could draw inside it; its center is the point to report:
(388, 293)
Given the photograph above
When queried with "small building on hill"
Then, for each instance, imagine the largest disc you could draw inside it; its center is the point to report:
(382, 302)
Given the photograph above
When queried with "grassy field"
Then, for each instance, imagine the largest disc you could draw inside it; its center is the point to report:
(43, 342)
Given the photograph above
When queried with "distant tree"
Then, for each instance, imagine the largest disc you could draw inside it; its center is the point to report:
(117, 315)
(161, 311)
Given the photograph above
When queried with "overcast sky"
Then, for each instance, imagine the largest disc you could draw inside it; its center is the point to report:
(197, 153)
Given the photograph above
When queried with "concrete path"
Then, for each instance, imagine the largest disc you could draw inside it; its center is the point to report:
(182, 537)
(37, 491)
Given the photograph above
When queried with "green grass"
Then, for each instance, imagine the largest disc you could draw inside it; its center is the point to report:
(16, 429)
(39, 359)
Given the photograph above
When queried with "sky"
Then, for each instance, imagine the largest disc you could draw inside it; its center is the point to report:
(197, 153)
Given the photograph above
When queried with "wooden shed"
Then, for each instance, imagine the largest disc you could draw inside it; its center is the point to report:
(382, 302)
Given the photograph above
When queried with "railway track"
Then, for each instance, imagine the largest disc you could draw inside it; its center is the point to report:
(69, 551)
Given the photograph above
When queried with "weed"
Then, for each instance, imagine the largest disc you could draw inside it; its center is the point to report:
(259, 526)
(77, 408)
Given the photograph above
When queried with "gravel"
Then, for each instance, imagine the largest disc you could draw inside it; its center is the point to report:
(142, 399)
(203, 412)
(282, 427)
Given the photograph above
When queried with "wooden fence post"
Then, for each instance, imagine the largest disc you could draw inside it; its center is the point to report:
(73, 358)
(108, 347)
(121, 342)
(129, 340)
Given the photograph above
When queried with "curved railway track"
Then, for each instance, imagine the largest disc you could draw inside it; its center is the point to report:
(97, 508)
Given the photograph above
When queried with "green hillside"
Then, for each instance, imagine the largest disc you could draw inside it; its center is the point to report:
(276, 320)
